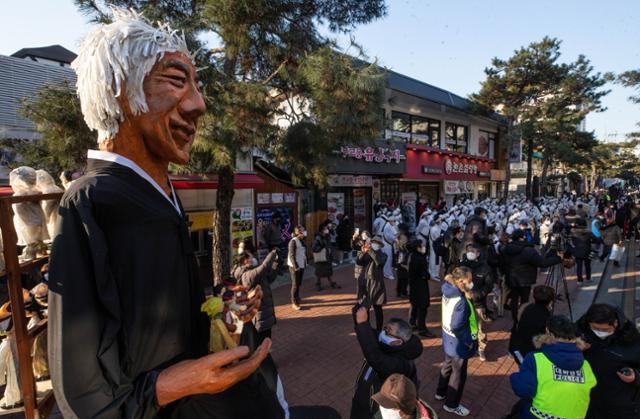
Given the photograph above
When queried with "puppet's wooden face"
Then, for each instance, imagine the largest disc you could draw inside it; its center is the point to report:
(175, 103)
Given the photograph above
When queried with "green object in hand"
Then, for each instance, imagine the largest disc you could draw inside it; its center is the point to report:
(212, 306)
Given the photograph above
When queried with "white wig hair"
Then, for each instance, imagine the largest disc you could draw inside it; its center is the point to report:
(121, 52)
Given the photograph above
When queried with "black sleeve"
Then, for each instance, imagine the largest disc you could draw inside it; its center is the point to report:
(84, 325)
(378, 258)
(540, 261)
(382, 363)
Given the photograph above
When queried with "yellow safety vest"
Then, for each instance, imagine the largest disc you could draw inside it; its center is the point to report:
(561, 394)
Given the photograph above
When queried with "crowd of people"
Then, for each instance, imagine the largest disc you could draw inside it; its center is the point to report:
(488, 257)
(111, 355)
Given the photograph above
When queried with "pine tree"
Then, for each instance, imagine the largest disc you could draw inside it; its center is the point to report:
(543, 100)
(269, 53)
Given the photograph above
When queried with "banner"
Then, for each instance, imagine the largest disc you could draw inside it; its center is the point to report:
(335, 205)
(263, 221)
(409, 209)
(241, 225)
(516, 152)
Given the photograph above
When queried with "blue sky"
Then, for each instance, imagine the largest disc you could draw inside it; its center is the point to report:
(447, 43)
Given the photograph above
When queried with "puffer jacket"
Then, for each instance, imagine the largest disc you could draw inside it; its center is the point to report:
(580, 243)
(567, 356)
(262, 275)
(459, 343)
(522, 263)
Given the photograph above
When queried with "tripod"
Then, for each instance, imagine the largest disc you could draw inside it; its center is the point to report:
(556, 275)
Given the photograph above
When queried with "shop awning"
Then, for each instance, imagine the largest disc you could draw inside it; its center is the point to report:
(240, 181)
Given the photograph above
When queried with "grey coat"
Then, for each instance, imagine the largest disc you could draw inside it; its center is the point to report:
(262, 275)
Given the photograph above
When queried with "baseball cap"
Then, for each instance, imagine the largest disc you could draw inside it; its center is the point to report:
(397, 392)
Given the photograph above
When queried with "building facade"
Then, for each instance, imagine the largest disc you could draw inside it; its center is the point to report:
(433, 146)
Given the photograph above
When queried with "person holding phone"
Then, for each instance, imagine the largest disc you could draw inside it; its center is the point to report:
(614, 353)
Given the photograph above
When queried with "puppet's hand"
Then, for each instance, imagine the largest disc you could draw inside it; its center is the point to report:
(210, 374)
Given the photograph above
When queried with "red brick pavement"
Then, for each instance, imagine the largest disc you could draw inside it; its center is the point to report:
(318, 356)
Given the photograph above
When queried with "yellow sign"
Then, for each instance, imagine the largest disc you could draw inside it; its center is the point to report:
(201, 220)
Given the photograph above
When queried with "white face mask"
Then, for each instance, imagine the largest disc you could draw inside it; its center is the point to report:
(600, 334)
(389, 413)
(304, 234)
(386, 339)
(325, 231)
(422, 250)
(471, 256)
(469, 286)
(254, 262)
(375, 246)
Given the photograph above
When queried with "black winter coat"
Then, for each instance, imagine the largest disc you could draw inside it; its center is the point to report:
(523, 261)
(323, 269)
(474, 225)
(372, 264)
(580, 243)
(419, 295)
(532, 322)
(611, 397)
(380, 361)
(344, 233)
(482, 281)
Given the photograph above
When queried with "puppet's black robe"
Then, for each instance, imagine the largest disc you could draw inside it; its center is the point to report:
(125, 303)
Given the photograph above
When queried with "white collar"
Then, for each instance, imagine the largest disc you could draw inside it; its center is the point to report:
(123, 161)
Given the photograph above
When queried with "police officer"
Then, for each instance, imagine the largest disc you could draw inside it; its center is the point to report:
(555, 381)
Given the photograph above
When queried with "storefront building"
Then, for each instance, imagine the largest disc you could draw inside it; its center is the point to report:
(451, 152)
(356, 173)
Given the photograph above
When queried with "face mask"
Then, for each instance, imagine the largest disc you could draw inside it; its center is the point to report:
(375, 246)
(422, 250)
(386, 339)
(254, 262)
(325, 232)
(389, 413)
(471, 256)
(304, 234)
(600, 334)
(469, 286)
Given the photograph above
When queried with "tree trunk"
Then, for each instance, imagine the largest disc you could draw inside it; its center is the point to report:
(529, 187)
(221, 243)
(544, 179)
(593, 177)
(507, 168)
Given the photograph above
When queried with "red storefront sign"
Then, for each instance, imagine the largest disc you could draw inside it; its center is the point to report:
(432, 164)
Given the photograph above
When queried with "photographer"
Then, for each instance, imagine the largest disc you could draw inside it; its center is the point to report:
(371, 260)
(248, 273)
(580, 248)
(614, 354)
(522, 263)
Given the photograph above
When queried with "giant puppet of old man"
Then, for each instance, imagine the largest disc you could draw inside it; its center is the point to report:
(126, 336)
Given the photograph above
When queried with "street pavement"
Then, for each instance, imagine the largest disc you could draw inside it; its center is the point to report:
(319, 358)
